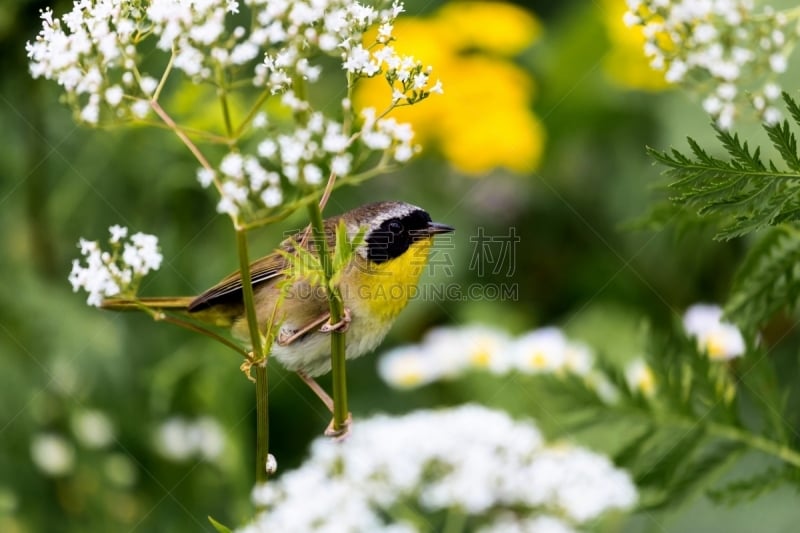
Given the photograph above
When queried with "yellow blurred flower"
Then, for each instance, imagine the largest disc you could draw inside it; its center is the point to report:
(625, 62)
(484, 120)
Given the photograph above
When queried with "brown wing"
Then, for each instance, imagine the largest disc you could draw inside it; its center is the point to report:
(230, 288)
(269, 267)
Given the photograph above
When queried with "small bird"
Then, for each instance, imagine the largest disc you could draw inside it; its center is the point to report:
(382, 275)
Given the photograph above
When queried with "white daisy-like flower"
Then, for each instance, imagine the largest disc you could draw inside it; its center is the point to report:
(640, 377)
(542, 350)
(719, 339)
(53, 454)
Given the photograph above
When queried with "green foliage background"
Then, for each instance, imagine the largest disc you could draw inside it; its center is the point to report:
(579, 265)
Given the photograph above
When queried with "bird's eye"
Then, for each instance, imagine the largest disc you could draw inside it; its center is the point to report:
(395, 227)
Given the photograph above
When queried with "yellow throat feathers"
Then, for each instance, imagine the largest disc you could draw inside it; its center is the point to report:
(385, 288)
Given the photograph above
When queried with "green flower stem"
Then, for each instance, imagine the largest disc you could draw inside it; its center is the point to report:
(756, 442)
(223, 100)
(455, 522)
(731, 433)
(338, 359)
(291, 207)
(169, 319)
(185, 139)
(258, 358)
(252, 113)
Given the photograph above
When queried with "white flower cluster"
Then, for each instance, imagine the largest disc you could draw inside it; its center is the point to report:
(470, 460)
(91, 52)
(179, 439)
(305, 155)
(720, 48)
(336, 28)
(719, 339)
(117, 272)
(450, 351)
(95, 53)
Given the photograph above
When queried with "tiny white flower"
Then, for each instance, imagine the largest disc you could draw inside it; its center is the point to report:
(148, 85)
(260, 120)
(340, 164)
(267, 148)
(272, 197)
(720, 340)
(640, 377)
(772, 91)
(727, 91)
(772, 116)
(630, 19)
(92, 428)
(53, 454)
(542, 350)
(113, 95)
(408, 367)
(712, 105)
(312, 174)
(117, 233)
(777, 63)
(140, 108)
(205, 176)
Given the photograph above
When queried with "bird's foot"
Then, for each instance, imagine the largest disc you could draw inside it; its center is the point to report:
(340, 326)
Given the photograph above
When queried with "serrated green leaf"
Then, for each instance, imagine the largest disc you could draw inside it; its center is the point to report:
(696, 473)
(743, 193)
(749, 488)
(303, 265)
(767, 280)
(631, 451)
(662, 462)
(344, 251)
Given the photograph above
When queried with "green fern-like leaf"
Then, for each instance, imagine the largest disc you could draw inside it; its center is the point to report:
(768, 280)
(745, 192)
(695, 474)
(750, 488)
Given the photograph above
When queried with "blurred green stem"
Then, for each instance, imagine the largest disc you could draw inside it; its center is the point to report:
(455, 521)
(223, 100)
(338, 359)
(258, 358)
(757, 442)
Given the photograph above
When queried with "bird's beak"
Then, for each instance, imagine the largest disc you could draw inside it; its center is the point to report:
(436, 227)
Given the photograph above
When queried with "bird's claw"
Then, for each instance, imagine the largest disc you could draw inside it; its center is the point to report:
(341, 326)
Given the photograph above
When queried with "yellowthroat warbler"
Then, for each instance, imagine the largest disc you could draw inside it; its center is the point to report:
(375, 287)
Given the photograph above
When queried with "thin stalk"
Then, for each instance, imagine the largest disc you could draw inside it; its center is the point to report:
(262, 389)
(338, 353)
(223, 100)
(199, 329)
(181, 134)
(164, 76)
(312, 197)
(262, 422)
(252, 113)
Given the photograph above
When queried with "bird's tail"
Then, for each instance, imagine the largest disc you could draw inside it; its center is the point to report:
(167, 303)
